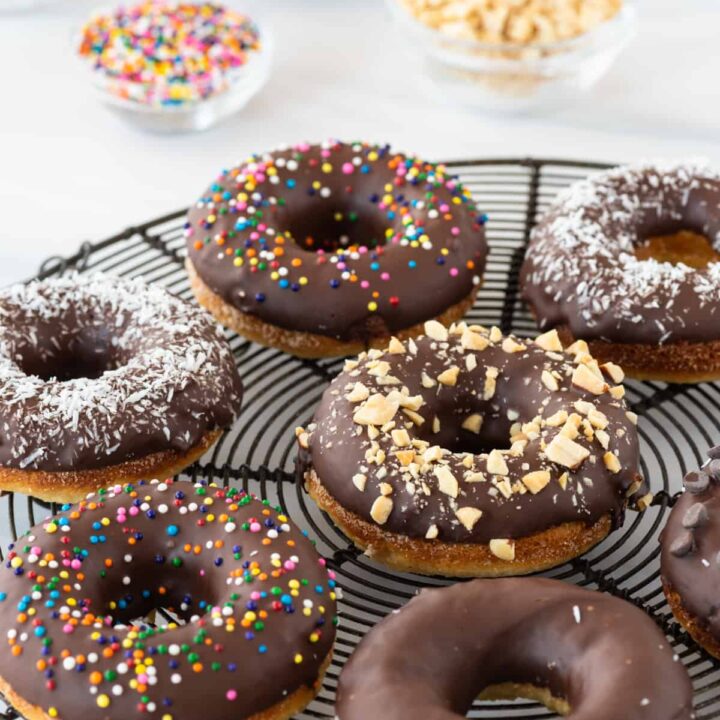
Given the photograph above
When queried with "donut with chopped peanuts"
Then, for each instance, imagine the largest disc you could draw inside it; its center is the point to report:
(468, 453)
(629, 261)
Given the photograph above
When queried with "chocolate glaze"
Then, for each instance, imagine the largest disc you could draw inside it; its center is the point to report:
(153, 555)
(431, 659)
(338, 447)
(95, 371)
(408, 253)
(690, 545)
(580, 269)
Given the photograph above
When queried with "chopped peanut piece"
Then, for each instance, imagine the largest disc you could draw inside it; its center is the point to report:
(433, 454)
(503, 549)
(358, 393)
(396, 347)
(566, 452)
(510, 345)
(376, 410)
(475, 477)
(401, 438)
(436, 331)
(603, 438)
(614, 371)
(427, 381)
(303, 437)
(473, 341)
(536, 481)
(405, 457)
(491, 375)
(385, 488)
(359, 481)
(645, 501)
(571, 428)
(447, 483)
(557, 419)
(449, 376)
(495, 334)
(432, 532)
(412, 402)
(381, 509)
(415, 417)
(611, 462)
(579, 347)
(381, 369)
(635, 485)
(468, 516)
(549, 341)
(598, 419)
(473, 423)
(496, 464)
(586, 379)
(549, 381)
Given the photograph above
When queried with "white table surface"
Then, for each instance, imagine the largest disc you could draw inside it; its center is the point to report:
(71, 170)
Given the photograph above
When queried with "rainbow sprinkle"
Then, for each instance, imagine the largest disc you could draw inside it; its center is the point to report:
(168, 54)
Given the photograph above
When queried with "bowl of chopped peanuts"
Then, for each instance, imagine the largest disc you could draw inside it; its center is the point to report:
(514, 55)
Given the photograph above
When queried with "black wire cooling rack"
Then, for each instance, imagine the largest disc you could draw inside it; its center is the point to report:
(677, 425)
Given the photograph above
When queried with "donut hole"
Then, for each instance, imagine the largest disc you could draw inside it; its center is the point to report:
(155, 604)
(335, 228)
(454, 435)
(677, 245)
(156, 618)
(509, 691)
(88, 354)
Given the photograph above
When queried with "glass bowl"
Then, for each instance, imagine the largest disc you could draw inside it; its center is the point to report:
(129, 99)
(514, 78)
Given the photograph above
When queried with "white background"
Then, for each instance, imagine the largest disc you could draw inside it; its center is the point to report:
(70, 170)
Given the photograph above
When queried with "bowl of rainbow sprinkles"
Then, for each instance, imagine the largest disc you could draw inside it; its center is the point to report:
(175, 66)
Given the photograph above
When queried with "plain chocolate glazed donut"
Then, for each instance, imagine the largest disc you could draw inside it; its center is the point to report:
(690, 559)
(584, 654)
(659, 320)
(326, 248)
(257, 601)
(104, 379)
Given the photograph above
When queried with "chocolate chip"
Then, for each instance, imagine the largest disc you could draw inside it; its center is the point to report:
(695, 516)
(682, 545)
(714, 453)
(697, 482)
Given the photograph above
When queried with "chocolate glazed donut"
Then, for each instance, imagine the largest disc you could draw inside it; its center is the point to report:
(257, 600)
(690, 559)
(584, 654)
(585, 274)
(106, 380)
(467, 453)
(325, 249)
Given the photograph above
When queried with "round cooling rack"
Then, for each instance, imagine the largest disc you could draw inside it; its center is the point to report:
(677, 425)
